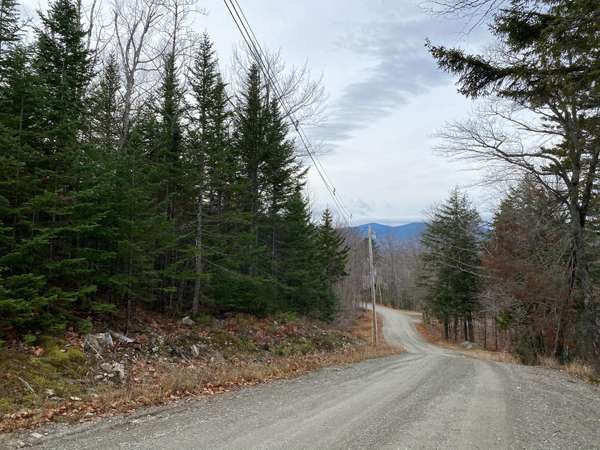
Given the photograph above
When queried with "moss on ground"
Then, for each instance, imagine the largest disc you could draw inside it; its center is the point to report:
(26, 380)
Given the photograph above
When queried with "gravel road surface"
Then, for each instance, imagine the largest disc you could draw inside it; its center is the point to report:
(427, 397)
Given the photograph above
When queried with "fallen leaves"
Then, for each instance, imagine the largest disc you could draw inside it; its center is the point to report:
(154, 379)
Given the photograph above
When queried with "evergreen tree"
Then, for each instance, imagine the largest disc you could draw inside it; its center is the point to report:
(333, 249)
(333, 256)
(63, 68)
(48, 267)
(141, 227)
(250, 148)
(451, 254)
(548, 65)
(106, 110)
(304, 282)
(205, 153)
(9, 30)
(196, 201)
(281, 173)
(168, 175)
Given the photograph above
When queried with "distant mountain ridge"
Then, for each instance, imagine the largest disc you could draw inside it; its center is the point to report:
(405, 232)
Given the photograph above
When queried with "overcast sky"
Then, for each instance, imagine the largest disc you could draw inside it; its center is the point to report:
(386, 97)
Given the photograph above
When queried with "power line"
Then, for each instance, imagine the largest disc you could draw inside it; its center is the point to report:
(279, 91)
(259, 55)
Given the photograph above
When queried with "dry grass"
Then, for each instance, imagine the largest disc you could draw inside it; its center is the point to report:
(159, 381)
(577, 369)
(432, 336)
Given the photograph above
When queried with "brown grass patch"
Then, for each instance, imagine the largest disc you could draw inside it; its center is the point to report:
(433, 336)
(577, 369)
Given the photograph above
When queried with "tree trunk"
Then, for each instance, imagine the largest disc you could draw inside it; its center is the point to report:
(455, 329)
(496, 333)
(580, 278)
(484, 332)
(198, 258)
(470, 328)
(130, 313)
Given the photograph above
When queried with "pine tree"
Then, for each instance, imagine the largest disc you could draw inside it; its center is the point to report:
(166, 153)
(9, 30)
(281, 173)
(202, 150)
(250, 149)
(106, 110)
(141, 227)
(333, 248)
(52, 252)
(304, 282)
(451, 255)
(64, 71)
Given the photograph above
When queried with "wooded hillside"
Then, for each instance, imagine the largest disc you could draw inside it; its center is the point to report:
(132, 175)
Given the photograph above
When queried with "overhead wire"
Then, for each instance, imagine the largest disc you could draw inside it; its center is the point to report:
(259, 55)
(279, 91)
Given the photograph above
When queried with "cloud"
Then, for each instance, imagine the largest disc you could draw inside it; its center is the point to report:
(401, 69)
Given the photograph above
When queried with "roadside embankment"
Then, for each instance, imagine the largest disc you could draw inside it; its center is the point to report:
(78, 378)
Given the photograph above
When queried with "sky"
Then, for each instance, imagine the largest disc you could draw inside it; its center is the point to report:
(386, 98)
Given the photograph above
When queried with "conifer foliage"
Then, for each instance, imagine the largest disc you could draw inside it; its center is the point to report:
(194, 204)
(451, 256)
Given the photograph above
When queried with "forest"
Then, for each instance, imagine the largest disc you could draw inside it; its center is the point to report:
(528, 279)
(133, 176)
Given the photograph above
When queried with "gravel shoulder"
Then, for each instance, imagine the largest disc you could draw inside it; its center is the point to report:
(427, 397)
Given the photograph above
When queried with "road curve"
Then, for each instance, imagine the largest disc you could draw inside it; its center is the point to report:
(425, 398)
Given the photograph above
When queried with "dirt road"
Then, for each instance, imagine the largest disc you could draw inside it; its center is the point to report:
(427, 397)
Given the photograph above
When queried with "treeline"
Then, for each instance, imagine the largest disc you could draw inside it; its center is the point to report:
(179, 195)
(534, 273)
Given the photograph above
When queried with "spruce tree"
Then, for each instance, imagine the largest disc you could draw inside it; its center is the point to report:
(9, 30)
(333, 248)
(250, 148)
(106, 109)
(281, 173)
(451, 254)
(168, 177)
(201, 153)
(304, 282)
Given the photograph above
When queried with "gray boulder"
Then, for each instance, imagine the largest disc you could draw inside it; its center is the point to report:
(187, 321)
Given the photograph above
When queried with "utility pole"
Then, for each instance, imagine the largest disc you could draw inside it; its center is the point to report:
(372, 277)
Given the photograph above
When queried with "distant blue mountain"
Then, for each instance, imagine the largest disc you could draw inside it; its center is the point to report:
(404, 232)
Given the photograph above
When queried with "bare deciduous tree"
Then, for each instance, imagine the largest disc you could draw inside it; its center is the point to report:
(302, 97)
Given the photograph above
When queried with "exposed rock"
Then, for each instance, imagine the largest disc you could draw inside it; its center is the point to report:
(121, 337)
(468, 345)
(98, 342)
(37, 435)
(50, 392)
(119, 368)
(195, 350)
(187, 321)
(114, 368)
